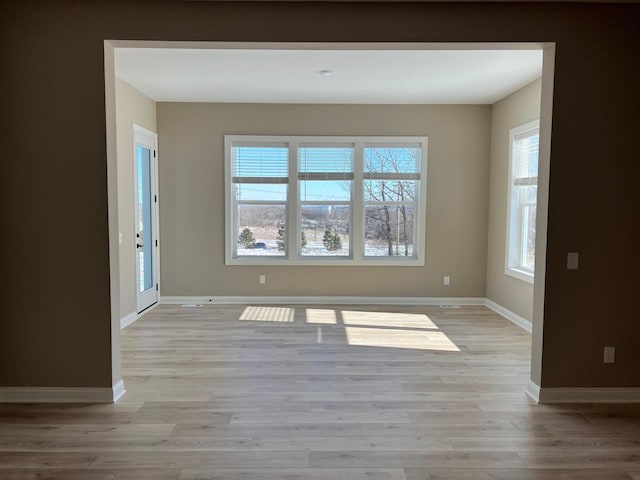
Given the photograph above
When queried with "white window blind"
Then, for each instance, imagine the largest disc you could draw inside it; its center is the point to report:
(260, 164)
(522, 210)
(325, 163)
(329, 200)
(525, 162)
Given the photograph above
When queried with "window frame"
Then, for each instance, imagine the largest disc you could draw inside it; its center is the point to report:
(515, 219)
(293, 253)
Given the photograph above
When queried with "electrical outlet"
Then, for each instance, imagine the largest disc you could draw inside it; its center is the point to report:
(447, 280)
(572, 260)
(609, 355)
(262, 279)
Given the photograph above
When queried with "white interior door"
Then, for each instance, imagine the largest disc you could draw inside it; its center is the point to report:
(146, 223)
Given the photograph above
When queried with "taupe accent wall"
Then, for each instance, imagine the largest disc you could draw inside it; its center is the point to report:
(192, 202)
(55, 313)
(514, 110)
(132, 107)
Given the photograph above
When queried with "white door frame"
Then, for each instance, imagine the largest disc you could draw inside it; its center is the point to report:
(149, 139)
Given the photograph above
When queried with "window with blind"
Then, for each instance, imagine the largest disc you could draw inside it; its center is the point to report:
(391, 176)
(260, 179)
(523, 189)
(328, 200)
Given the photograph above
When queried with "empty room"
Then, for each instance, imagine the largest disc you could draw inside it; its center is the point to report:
(319, 240)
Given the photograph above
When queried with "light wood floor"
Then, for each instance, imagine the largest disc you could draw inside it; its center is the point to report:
(336, 393)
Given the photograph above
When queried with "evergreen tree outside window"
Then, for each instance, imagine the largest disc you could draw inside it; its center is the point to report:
(325, 200)
(259, 182)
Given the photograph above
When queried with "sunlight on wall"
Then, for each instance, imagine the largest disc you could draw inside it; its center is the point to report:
(323, 316)
(268, 314)
(391, 338)
(386, 319)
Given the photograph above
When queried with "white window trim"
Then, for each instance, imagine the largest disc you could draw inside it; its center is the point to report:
(518, 273)
(293, 255)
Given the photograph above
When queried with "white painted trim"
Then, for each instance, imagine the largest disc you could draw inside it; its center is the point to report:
(509, 315)
(514, 239)
(519, 274)
(149, 139)
(330, 45)
(588, 395)
(312, 300)
(533, 390)
(117, 391)
(133, 316)
(128, 320)
(112, 201)
(62, 394)
(293, 204)
(544, 165)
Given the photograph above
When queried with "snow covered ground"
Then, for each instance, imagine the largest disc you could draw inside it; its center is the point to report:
(318, 250)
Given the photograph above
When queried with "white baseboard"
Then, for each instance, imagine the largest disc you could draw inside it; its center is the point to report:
(61, 394)
(133, 316)
(509, 315)
(312, 300)
(533, 390)
(128, 320)
(583, 395)
(173, 300)
(118, 391)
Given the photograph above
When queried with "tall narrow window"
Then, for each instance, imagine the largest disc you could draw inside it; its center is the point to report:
(391, 175)
(259, 188)
(523, 189)
(325, 175)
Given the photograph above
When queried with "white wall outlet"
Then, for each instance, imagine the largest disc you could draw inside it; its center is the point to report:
(609, 355)
(262, 279)
(447, 280)
(572, 260)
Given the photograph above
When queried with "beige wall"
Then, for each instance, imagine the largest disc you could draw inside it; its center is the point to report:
(131, 107)
(191, 176)
(518, 108)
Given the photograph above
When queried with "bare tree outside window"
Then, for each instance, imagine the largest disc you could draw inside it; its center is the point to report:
(333, 199)
(390, 196)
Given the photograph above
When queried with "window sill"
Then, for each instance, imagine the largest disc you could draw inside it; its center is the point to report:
(520, 275)
(323, 262)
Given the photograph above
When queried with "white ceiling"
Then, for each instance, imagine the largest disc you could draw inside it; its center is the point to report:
(373, 76)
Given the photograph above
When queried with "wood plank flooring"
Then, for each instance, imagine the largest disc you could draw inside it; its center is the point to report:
(322, 392)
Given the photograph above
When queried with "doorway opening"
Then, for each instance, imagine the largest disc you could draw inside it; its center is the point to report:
(183, 53)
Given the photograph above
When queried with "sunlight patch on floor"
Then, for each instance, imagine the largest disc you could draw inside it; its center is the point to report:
(323, 316)
(390, 338)
(387, 319)
(268, 314)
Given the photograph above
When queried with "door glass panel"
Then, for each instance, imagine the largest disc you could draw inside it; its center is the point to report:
(144, 239)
